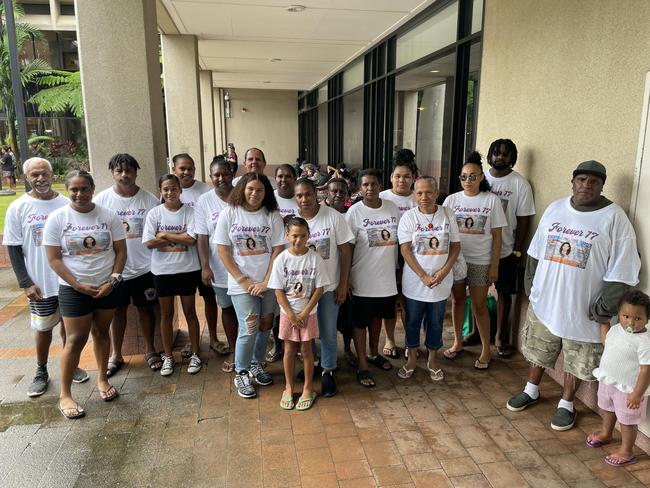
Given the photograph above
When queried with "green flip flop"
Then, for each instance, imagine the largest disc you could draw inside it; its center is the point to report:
(306, 403)
(287, 403)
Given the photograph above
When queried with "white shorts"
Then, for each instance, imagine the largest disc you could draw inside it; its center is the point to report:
(460, 268)
(45, 314)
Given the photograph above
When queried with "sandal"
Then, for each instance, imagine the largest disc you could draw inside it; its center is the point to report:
(228, 366)
(437, 374)
(273, 355)
(364, 375)
(391, 352)
(449, 354)
(154, 361)
(114, 365)
(482, 366)
(220, 348)
(287, 403)
(381, 362)
(405, 373)
(504, 352)
(109, 395)
(72, 413)
(594, 441)
(619, 461)
(306, 403)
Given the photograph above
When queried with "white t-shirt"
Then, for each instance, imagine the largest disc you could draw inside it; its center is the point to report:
(172, 258)
(287, 206)
(251, 237)
(206, 216)
(576, 253)
(328, 230)
(516, 197)
(624, 353)
(374, 259)
(476, 217)
(274, 185)
(404, 204)
(132, 211)
(430, 236)
(86, 242)
(189, 196)
(299, 277)
(24, 224)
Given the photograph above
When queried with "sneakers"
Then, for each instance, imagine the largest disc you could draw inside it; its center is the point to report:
(563, 419)
(328, 385)
(79, 376)
(195, 364)
(168, 366)
(261, 376)
(39, 383)
(520, 401)
(243, 384)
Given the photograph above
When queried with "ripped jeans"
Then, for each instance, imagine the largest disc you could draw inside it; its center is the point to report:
(251, 342)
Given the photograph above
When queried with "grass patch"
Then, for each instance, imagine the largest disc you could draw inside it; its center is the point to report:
(5, 201)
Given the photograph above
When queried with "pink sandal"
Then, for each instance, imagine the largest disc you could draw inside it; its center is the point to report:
(619, 461)
(594, 441)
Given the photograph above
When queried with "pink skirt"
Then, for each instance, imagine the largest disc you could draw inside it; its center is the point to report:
(298, 334)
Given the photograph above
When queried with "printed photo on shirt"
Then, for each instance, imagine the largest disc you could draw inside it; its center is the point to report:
(382, 236)
(37, 233)
(250, 245)
(572, 252)
(82, 243)
(300, 289)
(321, 246)
(173, 247)
(432, 244)
(133, 227)
(471, 223)
(504, 204)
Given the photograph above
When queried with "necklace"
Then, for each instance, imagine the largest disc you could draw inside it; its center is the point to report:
(430, 220)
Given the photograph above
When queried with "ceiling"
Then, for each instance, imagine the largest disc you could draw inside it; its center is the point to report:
(259, 44)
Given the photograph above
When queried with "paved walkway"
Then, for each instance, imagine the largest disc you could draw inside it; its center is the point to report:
(195, 431)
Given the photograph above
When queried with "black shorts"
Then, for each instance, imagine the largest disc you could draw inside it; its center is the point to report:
(205, 291)
(507, 282)
(75, 304)
(364, 309)
(139, 290)
(181, 284)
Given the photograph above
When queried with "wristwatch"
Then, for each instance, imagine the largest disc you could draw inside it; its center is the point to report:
(517, 254)
(115, 279)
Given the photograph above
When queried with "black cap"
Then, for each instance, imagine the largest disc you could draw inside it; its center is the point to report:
(591, 168)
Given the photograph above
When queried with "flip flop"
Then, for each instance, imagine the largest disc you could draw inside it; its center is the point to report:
(405, 373)
(79, 412)
(220, 348)
(449, 354)
(391, 352)
(228, 366)
(482, 366)
(114, 365)
(437, 374)
(305, 403)
(364, 375)
(154, 361)
(287, 403)
(594, 441)
(109, 395)
(619, 461)
(381, 362)
(504, 352)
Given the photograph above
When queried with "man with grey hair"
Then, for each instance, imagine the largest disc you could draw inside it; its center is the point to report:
(23, 233)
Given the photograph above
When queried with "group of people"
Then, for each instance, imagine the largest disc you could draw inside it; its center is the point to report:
(275, 259)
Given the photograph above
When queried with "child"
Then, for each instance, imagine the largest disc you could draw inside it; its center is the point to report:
(169, 231)
(624, 376)
(298, 277)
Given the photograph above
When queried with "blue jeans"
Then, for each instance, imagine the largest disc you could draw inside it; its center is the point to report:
(327, 313)
(251, 342)
(431, 315)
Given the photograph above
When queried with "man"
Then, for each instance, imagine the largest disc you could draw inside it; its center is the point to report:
(572, 293)
(285, 178)
(516, 196)
(337, 195)
(255, 162)
(185, 169)
(131, 204)
(8, 168)
(23, 233)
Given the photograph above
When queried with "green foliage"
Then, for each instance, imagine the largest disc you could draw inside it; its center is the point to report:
(63, 94)
(39, 139)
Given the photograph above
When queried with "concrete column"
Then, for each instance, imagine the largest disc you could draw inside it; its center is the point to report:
(219, 125)
(207, 120)
(183, 97)
(120, 73)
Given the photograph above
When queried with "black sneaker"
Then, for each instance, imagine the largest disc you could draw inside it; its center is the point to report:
(328, 385)
(520, 401)
(262, 377)
(563, 419)
(243, 384)
(39, 383)
(318, 370)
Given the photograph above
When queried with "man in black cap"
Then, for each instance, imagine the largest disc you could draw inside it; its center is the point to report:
(574, 288)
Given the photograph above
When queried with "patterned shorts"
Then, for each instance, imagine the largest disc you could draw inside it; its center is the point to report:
(541, 348)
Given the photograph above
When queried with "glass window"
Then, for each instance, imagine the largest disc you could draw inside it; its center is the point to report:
(353, 76)
(353, 129)
(472, 98)
(322, 93)
(429, 36)
(477, 16)
(322, 135)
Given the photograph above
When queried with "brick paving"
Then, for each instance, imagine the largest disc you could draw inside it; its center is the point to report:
(195, 431)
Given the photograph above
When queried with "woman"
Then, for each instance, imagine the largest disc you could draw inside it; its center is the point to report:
(481, 247)
(427, 277)
(252, 214)
(86, 280)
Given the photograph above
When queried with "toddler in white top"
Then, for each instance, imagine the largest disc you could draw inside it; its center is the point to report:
(624, 376)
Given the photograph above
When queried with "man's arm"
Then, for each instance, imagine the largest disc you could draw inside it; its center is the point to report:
(529, 275)
(606, 305)
(521, 232)
(17, 259)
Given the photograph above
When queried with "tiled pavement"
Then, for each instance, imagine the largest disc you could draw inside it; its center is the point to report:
(195, 431)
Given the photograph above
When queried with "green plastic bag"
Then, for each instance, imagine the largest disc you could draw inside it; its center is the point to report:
(468, 326)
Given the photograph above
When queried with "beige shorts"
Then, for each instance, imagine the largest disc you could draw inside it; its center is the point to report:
(541, 348)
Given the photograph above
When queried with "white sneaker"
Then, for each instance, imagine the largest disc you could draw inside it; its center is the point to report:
(195, 364)
(168, 366)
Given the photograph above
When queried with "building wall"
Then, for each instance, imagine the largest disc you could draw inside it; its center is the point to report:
(269, 123)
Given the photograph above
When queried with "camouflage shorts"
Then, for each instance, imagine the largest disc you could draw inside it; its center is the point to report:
(541, 348)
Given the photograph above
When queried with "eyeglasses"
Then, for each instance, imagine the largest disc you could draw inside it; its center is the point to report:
(470, 177)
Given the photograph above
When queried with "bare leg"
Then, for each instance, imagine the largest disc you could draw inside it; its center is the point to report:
(504, 305)
(571, 384)
(433, 363)
(374, 333)
(117, 328)
(210, 310)
(289, 363)
(535, 374)
(193, 327)
(359, 336)
(607, 428)
(77, 330)
(43, 341)
(166, 326)
(389, 325)
(229, 322)
(101, 344)
(308, 364)
(628, 437)
(478, 295)
(459, 297)
(147, 319)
